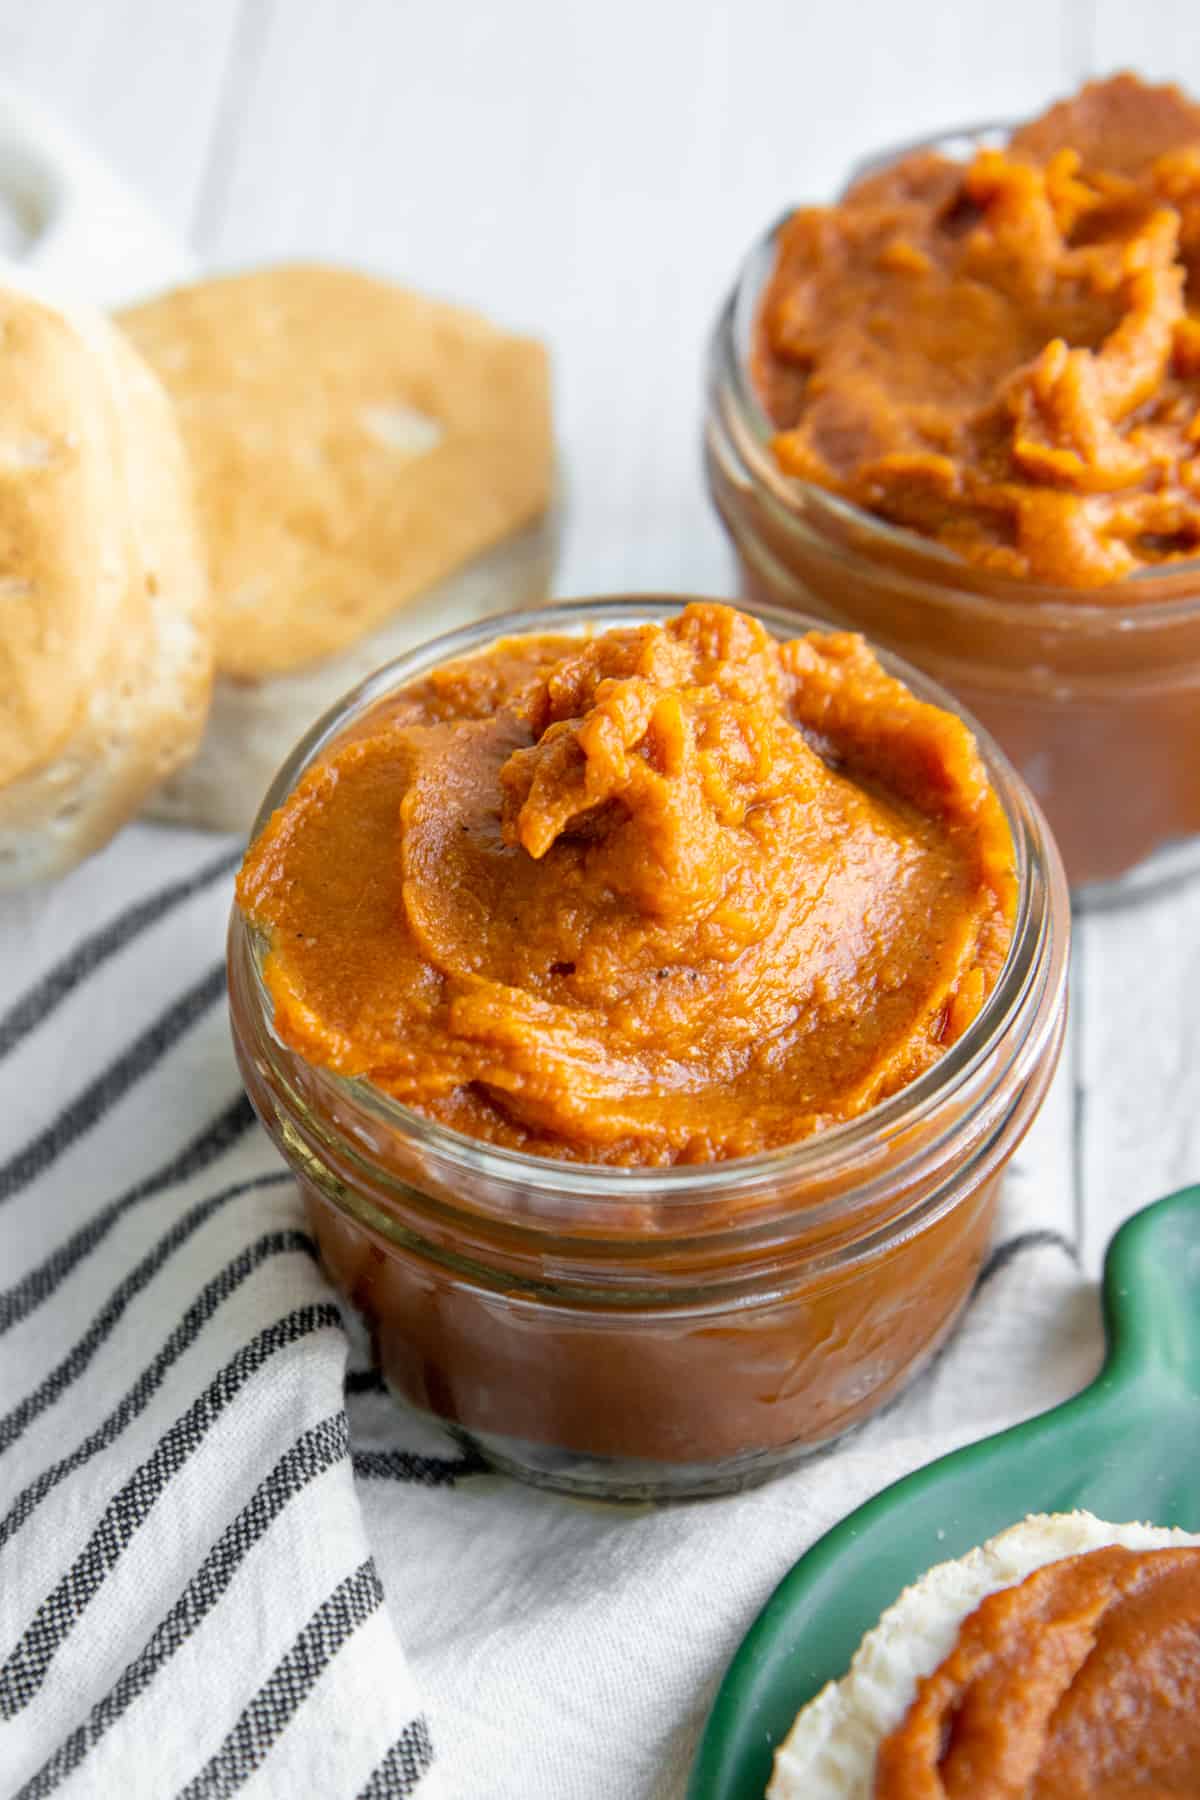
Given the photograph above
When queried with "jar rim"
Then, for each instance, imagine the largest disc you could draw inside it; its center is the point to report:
(1036, 960)
(733, 392)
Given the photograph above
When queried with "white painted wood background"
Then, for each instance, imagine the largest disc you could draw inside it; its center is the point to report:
(593, 173)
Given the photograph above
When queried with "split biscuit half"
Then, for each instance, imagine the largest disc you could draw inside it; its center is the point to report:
(372, 467)
(105, 623)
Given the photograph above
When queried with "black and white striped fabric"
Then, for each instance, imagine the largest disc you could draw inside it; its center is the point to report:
(228, 1565)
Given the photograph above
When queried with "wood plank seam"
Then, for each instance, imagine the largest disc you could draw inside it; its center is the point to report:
(247, 47)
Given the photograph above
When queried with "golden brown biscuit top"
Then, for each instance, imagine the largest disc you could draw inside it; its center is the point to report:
(71, 577)
(352, 442)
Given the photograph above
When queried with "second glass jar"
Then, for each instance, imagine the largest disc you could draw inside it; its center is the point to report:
(1096, 699)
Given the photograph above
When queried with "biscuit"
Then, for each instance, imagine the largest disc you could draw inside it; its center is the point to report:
(105, 625)
(357, 449)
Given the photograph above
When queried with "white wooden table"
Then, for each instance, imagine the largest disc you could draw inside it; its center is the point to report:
(593, 173)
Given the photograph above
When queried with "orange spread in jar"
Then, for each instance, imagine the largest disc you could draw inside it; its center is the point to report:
(671, 893)
(1080, 1683)
(1004, 355)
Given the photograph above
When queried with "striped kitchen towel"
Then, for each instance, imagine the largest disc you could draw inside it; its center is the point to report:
(228, 1564)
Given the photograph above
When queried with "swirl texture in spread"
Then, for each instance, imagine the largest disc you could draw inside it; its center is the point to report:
(672, 893)
(1004, 355)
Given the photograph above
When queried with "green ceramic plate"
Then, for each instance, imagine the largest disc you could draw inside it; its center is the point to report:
(1127, 1447)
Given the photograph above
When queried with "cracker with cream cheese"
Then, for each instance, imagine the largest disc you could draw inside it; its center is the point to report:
(830, 1752)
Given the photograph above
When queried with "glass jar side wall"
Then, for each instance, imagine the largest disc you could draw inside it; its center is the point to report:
(632, 1401)
(640, 1407)
(1104, 726)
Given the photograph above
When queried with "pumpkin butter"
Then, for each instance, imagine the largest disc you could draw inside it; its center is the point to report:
(672, 893)
(1004, 354)
(1080, 1683)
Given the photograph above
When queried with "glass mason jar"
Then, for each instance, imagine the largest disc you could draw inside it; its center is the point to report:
(645, 1333)
(1095, 698)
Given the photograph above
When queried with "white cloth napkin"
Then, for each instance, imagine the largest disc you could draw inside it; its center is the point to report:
(228, 1563)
